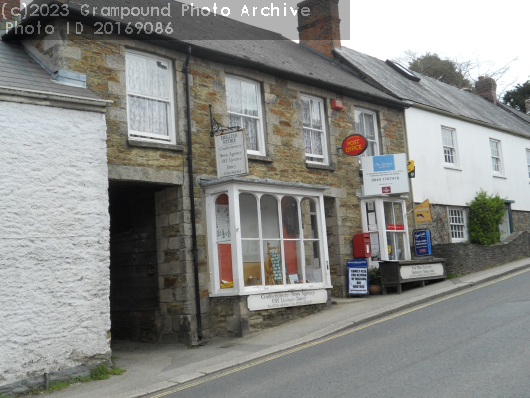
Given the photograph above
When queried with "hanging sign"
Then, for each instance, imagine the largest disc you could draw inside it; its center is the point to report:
(354, 145)
(422, 212)
(385, 174)
(231, 153)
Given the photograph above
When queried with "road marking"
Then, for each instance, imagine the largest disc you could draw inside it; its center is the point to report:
(334, 336)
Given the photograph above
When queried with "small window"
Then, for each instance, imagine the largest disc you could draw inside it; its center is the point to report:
(496, 156)
(528, 161)
(449, 146)
(244, 110)
(314, 130)
(366, 125)
(457, 225)
(150, 104)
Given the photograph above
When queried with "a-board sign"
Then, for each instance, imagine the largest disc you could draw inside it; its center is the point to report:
(231, 153)
(422, 242)
(267, 301)
(386, 174)
(357, 276)
(354, 145)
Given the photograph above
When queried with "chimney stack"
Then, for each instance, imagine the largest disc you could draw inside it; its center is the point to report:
(487, 88)
(319, 28)
(527, 105)
(6, 10)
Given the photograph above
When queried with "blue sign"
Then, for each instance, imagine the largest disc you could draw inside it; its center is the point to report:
(357, 276)
(384, 163)
(422, 242)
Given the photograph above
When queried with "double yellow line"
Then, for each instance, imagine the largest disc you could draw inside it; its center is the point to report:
(332, 337)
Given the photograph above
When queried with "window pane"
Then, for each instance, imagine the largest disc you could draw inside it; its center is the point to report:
(494, 146)
(234, 121)
(157, 117)
(233, 96)
(136, 74)
(249, 99)
(291, 227)
(157, 78)
(269, 217)
(396, 245)
(369, 126)
(309, 219)
(389, 216)
(495, 164)
(447, 136)
(359, 123)
(306, 112)
(224, 250)
(273, 262)
(398, 213)
(313, 267)
(307, 140)
(248, 212)
(316, 142)
(316, 115)
(293, 261)
(251, 129)
(137, 113)
(251, 263)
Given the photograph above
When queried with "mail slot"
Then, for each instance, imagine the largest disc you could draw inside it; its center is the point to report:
(361, 245)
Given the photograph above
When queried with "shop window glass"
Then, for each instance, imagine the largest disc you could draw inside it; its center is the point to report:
(250, 242)
(395, 230)
(313, 264)
(224, 247)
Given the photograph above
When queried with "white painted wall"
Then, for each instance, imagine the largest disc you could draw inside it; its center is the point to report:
(54, 239)
(447, 186)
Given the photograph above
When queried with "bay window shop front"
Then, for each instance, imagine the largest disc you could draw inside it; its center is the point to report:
(265, 237)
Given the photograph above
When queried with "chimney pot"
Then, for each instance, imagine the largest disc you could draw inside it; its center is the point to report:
(487, 88)
(320, 27)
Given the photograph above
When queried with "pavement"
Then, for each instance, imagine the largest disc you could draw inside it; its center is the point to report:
(154, 367)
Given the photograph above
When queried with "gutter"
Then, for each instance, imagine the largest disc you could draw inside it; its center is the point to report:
(186, 70)
(468, 119)
(54, 96)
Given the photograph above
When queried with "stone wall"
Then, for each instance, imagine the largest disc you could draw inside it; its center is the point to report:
(104, 64)
(54, 235)
(521, 220)
(465, 258)
(439, 227)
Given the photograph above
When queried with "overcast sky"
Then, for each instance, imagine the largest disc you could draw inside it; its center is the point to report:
(490, 31)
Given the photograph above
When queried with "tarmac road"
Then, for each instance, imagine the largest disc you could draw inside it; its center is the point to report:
(472, 344)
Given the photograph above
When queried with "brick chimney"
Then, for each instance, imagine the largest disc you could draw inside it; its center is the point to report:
(319, 28)
(527, 105)
(6, 7)
(487, 88)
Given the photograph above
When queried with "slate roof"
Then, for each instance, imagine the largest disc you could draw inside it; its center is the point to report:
(433, 93)
(239, 44)
(19, 71)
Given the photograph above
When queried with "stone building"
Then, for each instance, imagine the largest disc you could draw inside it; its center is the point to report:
(191, 252)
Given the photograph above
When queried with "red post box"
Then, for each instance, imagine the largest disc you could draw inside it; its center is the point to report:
(361, 245)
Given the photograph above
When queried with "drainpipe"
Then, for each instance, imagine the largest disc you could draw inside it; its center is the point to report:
(192, 200)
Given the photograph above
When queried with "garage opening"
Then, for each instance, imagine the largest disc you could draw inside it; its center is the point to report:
(134, 293)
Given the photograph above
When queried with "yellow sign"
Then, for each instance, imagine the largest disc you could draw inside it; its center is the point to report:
(411, 169)
(422, 212)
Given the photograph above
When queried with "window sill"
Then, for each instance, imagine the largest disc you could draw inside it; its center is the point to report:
(320, 166)
(260, 158)
(307, 286)
(500, 176)
(452, 167)
(155, 145)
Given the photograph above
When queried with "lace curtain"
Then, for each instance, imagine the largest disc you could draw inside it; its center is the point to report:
(242, 101)
(313, 129)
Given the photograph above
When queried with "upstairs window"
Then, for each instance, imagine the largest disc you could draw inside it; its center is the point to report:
(449, 146)
(150, 103)
(366, 125)
(496, 156)
(244, 110)
(314, 129)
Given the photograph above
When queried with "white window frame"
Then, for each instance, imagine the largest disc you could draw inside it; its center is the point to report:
(233, 190)
(261, 136)
(377, 151)
(453, 149)
(324, 133)
(458, 220)
(528, 161)
(498, 156)
(382, 228)
(145, 136)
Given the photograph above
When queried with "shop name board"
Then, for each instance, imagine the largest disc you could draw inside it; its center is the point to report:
(385, 174)
(421, 271)
(267, 301)
(354, 145)
(231, 154)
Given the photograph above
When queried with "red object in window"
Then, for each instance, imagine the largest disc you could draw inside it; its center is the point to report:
(337, 105)
(386, 190)
(400, 227)
(390, 227)
(361, 245)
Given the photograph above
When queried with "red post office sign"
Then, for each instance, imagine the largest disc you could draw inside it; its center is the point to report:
(354, 145)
